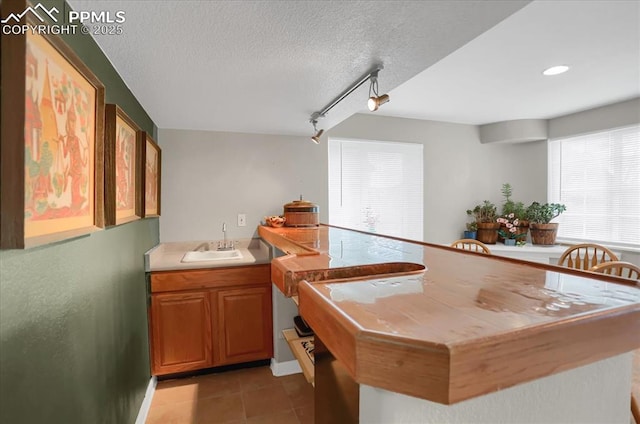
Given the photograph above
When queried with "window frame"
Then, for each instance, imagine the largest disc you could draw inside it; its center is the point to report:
(620, 246)
(383, 142)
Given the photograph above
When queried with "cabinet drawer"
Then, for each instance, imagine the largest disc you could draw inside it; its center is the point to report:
(164, 281)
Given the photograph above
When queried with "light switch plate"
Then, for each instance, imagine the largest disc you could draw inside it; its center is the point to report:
(242, 220)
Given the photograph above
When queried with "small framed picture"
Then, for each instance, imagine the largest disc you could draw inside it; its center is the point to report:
(151, 176)
(123, 167)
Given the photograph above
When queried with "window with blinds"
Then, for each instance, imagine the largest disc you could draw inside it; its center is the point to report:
(597, 176)
(376, 187)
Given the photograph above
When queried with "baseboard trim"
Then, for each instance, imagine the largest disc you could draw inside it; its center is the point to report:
(146, 402)
(279, 369)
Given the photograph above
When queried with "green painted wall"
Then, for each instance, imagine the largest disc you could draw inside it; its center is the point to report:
(73, 319)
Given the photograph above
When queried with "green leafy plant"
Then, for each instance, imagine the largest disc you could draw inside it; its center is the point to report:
(538, 213)
(507, 191)
(472, 226)
(485, 212)
(509, 206)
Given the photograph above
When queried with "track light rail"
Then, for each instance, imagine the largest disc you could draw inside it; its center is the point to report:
(374, 100)
(321, 113)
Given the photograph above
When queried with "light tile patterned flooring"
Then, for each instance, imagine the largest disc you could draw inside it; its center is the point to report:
(247, 396)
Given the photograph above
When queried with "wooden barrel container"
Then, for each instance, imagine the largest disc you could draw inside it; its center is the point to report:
(488, 232)
(544, 234)
(301, 213)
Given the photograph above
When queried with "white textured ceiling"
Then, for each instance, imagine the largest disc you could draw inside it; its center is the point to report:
(265, 66)
(498, 75)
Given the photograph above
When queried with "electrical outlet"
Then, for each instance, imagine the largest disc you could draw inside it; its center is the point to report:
(242, 220)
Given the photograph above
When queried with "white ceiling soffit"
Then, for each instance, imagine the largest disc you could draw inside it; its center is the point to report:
(265, 66)
(498, 76)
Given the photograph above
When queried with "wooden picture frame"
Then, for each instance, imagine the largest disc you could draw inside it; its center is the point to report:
(151, 176)
(51, 150)
(123, 167)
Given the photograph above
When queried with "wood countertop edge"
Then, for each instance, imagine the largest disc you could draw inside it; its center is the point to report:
(331, 325)
(288, 246)
(287, 280)
(494, 363)
(449, 374)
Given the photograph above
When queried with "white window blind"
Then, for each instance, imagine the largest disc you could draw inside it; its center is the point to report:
(377, 187)
(597, 176)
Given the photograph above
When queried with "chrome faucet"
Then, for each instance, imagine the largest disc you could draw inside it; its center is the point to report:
(224, 234)
(224, 245)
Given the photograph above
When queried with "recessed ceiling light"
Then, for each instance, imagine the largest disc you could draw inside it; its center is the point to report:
(555, 70)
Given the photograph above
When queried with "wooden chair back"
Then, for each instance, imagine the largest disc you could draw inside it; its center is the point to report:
(585, 256)
(472, 245)
(619, 269)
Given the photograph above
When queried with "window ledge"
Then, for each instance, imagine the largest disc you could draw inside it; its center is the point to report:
(612, 246)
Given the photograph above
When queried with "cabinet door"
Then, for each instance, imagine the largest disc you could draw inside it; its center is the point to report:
(243, 325)
(181, 332)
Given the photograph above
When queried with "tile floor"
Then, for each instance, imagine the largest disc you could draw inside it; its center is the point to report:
(246, 396)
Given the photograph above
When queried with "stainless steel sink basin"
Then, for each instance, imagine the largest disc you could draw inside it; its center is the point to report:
(212, 255)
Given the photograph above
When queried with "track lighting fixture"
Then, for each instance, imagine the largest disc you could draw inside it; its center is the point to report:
(317, 133)
(375, 100)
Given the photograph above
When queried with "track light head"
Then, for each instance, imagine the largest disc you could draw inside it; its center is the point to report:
(317, 133)
(316, 137)
(375, 102)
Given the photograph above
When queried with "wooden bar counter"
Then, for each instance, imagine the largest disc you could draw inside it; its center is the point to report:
(446, 325)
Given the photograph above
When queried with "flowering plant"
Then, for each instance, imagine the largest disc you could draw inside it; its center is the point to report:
(511, 224)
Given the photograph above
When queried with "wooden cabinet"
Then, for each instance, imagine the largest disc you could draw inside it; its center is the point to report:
(181, 327)
(242, 332)
(206, 318)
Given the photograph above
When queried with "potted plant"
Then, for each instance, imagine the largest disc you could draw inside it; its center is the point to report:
(519, 212)
(471, 231)
(509, 232)
(543, 231)
(485, 215)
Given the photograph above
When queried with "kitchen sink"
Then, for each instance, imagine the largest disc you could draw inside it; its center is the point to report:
(212, 255)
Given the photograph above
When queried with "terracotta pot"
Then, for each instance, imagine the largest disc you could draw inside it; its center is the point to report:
(488, 232)
(544, 234)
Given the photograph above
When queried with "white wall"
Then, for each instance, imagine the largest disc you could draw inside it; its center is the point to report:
(210, 177)
(459, 171)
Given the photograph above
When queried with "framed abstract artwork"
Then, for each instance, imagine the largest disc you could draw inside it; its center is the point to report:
(51, 155)
(123, 167)
(151, 176)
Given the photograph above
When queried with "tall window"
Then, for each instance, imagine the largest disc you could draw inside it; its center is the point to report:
(376, 186)
(597, 176)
